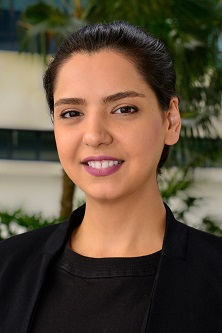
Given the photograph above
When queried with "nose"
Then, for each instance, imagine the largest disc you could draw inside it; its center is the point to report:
(97, 133)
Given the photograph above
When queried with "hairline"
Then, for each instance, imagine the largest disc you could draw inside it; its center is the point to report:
(117, 50)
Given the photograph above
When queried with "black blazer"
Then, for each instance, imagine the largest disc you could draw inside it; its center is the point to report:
(187, 293)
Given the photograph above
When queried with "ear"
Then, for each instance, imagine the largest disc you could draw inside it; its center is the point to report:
(173, 123)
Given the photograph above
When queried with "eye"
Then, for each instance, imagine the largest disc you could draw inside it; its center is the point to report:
(71, 114)
(126, 109)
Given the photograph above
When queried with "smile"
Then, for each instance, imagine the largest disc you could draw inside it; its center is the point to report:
(102, 164)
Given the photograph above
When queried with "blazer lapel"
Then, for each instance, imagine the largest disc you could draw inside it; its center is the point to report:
(168, 284)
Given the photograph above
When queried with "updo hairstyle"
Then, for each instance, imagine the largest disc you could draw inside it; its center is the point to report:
(148, 55)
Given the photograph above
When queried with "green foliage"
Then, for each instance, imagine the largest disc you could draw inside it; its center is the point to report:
(175, 184)
(194, 152)
(186, 27)
(213, 226)
(174, 181)
(13, 223)
(42, 24)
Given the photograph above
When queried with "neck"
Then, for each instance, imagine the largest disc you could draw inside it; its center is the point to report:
(122, 228)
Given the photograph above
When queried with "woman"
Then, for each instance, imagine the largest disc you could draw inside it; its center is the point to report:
(122, 263)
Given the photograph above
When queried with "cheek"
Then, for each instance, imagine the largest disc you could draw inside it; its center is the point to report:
(150, 138)
(65, 143)
(59, 139)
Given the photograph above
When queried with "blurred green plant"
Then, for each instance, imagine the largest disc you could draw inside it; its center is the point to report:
(41, 25)
(175, 184)
(213, 226)
(14, 223)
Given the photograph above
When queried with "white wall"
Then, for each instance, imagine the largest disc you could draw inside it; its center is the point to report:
(23, 104)
(34, 186)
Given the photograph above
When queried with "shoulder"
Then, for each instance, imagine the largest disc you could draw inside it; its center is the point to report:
(183, 241)
(204, 243)
(30, 241)
(203, 250)
(45, 240)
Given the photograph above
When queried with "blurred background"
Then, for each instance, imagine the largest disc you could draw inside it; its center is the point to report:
(34, 190)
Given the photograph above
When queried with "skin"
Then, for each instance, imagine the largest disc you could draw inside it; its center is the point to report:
(125, 215)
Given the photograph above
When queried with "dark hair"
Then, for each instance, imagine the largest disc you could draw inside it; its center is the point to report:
(147, 53)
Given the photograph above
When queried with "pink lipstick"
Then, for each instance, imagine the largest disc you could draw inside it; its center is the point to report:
(102, 165)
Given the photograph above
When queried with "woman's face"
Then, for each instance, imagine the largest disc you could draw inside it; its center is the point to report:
(109, 128)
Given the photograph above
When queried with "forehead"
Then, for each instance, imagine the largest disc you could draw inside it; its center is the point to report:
(104, 68)
(103, 57)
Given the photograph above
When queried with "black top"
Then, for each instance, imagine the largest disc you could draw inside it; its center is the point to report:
(85, 294)
(187, 296)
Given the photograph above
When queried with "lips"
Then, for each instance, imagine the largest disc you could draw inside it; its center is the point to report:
(101, 165)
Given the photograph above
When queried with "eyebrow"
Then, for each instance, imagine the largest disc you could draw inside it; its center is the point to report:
(121, 95)
(73, 100)
(105, 100)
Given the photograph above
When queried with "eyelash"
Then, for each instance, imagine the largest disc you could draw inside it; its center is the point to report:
(126, 110)
(74, 114)
(67, 114)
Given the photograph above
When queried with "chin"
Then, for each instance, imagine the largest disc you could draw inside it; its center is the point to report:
(102, 195)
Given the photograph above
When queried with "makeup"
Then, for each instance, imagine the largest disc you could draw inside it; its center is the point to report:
(101, 165)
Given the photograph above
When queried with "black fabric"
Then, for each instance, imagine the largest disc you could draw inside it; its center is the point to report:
(187, 293)
(96, 295)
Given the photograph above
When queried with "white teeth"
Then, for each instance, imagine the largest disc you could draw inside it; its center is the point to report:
(105, 164)
(97, 165)
(102, 164)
